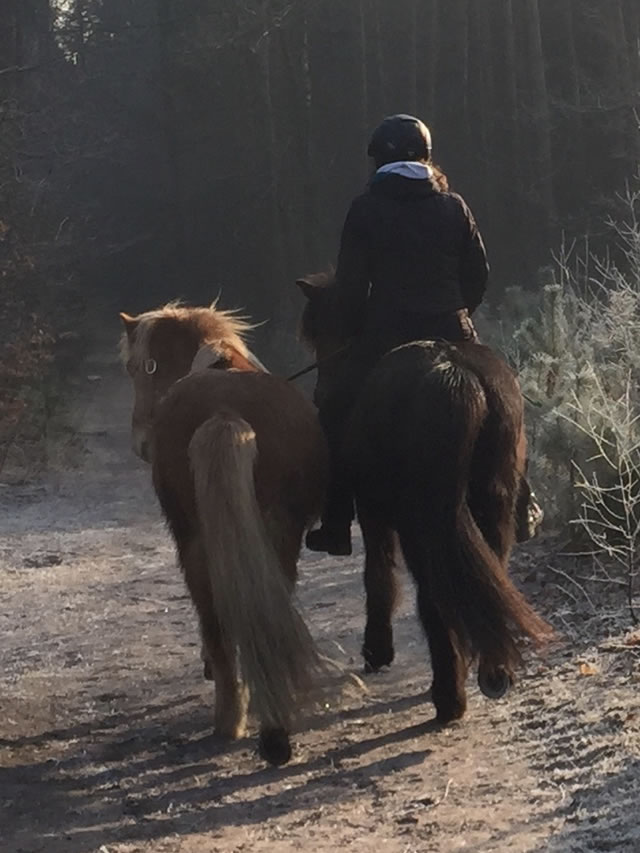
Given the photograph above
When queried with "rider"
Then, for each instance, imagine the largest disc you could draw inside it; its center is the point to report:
(411, 266)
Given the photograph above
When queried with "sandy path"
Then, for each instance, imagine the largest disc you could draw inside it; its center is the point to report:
(105, 721)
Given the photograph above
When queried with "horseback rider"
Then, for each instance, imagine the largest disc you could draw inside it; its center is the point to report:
(412, 266)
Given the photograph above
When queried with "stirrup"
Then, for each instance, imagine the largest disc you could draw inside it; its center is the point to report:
(527, 527)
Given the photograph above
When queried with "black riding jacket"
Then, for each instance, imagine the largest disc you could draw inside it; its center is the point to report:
(408, 250)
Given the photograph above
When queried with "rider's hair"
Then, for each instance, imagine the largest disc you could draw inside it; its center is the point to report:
(439, 178)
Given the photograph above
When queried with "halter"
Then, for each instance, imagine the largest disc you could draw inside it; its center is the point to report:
(150, 366)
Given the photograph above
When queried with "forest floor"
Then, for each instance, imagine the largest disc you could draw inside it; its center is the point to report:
(106, 739)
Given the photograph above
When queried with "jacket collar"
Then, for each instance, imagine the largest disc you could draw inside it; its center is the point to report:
(416, 171)
(393, 185)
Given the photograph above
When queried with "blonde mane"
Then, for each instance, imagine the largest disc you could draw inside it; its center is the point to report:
(211, 325)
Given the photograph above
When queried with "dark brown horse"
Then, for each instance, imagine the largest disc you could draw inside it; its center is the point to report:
(436, 450)
(239, 467)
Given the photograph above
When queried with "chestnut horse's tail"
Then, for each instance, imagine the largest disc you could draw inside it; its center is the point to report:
(462, 576)
(252, 596)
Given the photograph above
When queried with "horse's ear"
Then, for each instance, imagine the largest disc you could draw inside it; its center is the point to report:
(254, 361)
(130, 324)
(308, 287)
(209, 356)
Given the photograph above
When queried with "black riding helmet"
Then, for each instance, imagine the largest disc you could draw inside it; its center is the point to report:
(400, 137)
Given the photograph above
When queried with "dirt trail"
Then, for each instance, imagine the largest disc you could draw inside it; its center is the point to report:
(105, 722)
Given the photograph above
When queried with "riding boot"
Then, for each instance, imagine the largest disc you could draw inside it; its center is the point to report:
(334, 536)
(330, 540)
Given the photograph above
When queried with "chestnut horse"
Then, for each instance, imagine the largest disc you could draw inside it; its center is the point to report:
(436, 451)
(239, 466)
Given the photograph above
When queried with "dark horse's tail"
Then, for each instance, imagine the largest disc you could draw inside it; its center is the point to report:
(440, 423)
(253, 597)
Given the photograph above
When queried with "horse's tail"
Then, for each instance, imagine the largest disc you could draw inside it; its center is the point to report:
(252, 596)
(465, 579)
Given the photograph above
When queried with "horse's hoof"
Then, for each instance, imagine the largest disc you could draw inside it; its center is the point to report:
(274, 746)
(374, 662)
(448, 718)
(449, 709)
(494, 684)
(374, 668)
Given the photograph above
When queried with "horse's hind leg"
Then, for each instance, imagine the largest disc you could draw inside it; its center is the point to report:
(381, 589)
(231, 700)
(273, 741)
(448, 663)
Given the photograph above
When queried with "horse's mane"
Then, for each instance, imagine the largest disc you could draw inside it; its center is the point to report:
(208, 324)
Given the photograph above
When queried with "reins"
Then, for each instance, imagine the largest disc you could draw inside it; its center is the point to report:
(302, 372)
(317, 363)
(314, 365)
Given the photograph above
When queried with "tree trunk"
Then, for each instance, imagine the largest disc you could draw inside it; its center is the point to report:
(171, 124)
(363, 85)
(413, 56)
(541, 116)
(432, 43)
(272, 150)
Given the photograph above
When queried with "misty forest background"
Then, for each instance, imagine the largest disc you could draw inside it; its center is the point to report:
(154, 149)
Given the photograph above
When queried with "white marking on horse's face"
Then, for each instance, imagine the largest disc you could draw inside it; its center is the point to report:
(151, 380)
(141, 442)
(146, 396)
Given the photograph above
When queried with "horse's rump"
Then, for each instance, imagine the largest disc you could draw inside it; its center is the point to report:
(291, 462)
(436, 427)
(417, 406)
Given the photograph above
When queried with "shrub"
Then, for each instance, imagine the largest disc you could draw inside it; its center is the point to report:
(575, 343)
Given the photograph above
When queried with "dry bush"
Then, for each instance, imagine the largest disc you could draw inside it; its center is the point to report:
(576, 346)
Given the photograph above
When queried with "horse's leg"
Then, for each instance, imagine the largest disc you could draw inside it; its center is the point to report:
(449, 667)
(231, 700)
(381, 589)
(447, 662)
(286, 537)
